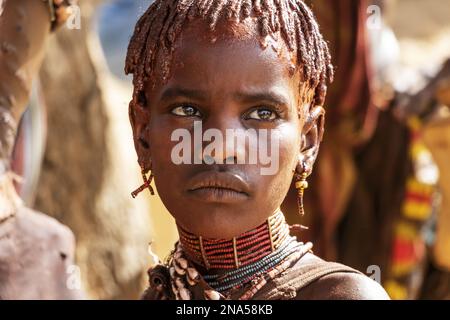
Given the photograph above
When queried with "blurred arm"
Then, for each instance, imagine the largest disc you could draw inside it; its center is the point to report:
(24, 28)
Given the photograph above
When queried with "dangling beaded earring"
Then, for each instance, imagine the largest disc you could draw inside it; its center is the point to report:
(147, 183)
(301, 184)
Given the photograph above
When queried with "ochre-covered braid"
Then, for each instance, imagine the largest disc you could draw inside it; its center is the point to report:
(151, 48)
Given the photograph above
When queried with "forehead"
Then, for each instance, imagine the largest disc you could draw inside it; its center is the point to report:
(231, 58)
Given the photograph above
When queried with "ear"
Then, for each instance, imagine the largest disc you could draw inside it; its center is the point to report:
(140, 120)
(312, 134)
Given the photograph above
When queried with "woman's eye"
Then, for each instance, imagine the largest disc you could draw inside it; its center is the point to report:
(186, 111)
(263, 114)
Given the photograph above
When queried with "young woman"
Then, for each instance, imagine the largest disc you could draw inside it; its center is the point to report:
(233, 66)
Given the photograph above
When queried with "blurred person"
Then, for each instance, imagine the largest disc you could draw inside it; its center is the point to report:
(36, 251)
(433, 103)
(373, 194)
(351, 120)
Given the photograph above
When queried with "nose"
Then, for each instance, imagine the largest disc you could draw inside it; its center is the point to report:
(220, 144)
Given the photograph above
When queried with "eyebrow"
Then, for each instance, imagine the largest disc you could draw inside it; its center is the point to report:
(176, 92)
(267, 95)
(246, 97)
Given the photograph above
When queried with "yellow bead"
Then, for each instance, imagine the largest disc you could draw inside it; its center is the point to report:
(301, 184)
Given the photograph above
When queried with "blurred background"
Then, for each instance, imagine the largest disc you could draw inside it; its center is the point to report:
(381, 187)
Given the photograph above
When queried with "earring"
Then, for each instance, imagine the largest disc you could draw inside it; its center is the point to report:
(301, 184)
(146, 185)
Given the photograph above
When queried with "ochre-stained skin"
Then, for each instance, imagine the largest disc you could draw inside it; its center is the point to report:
(35, 250)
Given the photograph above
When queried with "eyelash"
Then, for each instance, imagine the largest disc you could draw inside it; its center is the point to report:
(173, 108)
(275, 110)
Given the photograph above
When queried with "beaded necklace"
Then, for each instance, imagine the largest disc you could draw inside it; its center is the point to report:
(272, 252)
(238, 277)
(239, 251)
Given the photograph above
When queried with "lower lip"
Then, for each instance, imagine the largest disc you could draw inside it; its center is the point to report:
(220, 195)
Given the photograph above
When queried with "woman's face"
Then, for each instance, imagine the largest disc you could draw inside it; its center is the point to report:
(231, 84)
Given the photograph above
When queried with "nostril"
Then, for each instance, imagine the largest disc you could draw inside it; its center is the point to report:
(209, 159)
(230, 160)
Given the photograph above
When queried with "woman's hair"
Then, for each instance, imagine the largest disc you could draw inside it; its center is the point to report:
(157, 30)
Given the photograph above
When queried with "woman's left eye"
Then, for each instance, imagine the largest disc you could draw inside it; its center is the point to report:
(263, 115)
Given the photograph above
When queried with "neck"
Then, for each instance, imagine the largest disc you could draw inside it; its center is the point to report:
(242, 250)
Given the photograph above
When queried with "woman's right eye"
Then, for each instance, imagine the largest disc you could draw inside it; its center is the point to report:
(186, 111)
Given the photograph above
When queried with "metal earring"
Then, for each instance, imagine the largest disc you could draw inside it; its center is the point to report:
(147, 183)
(301, 184)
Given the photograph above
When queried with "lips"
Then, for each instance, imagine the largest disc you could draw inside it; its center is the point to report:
(213, 186)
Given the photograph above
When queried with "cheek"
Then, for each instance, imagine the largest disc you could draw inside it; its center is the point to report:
(160, 132)
(289, 146)
(288, 150)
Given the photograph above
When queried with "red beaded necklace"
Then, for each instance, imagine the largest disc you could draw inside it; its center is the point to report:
(239, 251)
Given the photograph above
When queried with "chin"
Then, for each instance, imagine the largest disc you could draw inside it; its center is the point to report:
(214, 221)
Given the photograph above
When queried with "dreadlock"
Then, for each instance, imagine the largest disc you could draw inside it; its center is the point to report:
(158, 28)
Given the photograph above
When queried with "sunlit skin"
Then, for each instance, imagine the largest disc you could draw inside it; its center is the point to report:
(234, 83)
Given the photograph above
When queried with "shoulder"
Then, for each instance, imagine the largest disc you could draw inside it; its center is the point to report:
(35, 239)
(44, 228)
(347, 284)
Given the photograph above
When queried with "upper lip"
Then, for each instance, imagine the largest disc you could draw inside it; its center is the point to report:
(221, 180)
